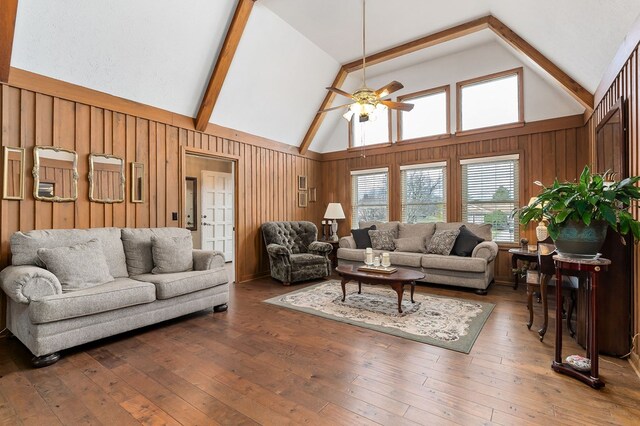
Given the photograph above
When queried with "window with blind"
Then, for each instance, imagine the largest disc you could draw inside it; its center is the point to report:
(376, 130)
(490, 193)
(369, 195)
(423, 192)
(429, 116)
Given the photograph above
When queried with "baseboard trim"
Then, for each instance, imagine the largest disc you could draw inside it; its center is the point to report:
(634, 360)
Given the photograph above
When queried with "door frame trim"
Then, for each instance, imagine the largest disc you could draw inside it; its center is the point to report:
(184, 151)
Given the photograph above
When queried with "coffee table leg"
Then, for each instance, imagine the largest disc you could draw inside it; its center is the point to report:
(399, 288)
(359, 287)
(343, 283)
(413, 287)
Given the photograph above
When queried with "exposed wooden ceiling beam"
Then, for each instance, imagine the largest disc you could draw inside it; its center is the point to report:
(579, 93)
(8, 10)
(229, 46)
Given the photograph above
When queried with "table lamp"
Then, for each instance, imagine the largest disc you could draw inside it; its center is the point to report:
(333, 213)
(541, 230)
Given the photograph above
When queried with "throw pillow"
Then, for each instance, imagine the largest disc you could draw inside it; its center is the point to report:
(382, 240)
(410, 245)
(77, 267)
(362, 238)
(442, 242)
(172, 254)
(466, 242)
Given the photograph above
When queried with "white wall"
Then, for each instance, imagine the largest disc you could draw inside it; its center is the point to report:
(542, 98)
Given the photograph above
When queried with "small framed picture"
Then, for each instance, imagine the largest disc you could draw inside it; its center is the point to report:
(302, 183)
(313, 195)
(302, 198)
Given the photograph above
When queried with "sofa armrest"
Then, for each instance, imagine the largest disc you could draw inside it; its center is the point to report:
(205, 259)
(26, 283)
(277, 250)
(347, 242)
(318, 247)
(487, 250)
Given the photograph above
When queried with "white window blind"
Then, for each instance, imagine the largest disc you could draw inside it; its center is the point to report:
(369, 195)
(490, 193)
(424, 192)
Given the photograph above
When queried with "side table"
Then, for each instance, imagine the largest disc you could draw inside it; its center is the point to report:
(571, 266)
(523, 255)
(333, 256)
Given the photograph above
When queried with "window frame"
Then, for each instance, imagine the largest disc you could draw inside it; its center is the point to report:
(420, 94)
(444, 163)
(375, 145)
(486, 158)
(519, 72)
(366, 171)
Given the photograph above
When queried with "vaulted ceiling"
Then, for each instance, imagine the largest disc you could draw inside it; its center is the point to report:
(162, 52)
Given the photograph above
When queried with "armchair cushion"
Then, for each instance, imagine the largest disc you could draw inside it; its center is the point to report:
(306, 259)
(318, 247)
(172, 254)
(26, 283)
(205, 259)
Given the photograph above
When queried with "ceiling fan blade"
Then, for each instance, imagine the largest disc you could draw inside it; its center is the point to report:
(333, 108)
(394, 86)
(340, 92)
(397, 105)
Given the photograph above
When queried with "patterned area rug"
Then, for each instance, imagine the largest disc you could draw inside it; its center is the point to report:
(440, 321)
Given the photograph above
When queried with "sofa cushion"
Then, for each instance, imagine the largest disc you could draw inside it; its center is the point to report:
(382, 240)
(410, 244)
(454, 263)
(77, 267)
(306, 259)
(466, 242)
(409, 230)
(482, 230)
(179, 283)
(395, 257)
(381, 226)
(362, 238)
(172, 254)
(442, 242)
(137, 246)
(113, 295)
(24, 246)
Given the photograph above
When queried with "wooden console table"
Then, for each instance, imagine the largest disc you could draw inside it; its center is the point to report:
(572, 266)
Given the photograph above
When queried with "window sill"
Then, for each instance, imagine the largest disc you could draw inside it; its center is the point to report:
(490, 128)
(425, 138)
(376, 145)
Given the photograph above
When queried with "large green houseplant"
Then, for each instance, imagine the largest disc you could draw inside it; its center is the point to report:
(579, 213)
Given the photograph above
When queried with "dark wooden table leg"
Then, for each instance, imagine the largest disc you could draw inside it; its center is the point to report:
(413, 288)
(359, 287)
(558, 357)
(514, 267)
(530, 305)
(343, 283)
(544, 281)
(399, 288)
(594, 329)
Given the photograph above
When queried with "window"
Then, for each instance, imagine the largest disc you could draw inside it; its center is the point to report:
(490, 193)
(490, 101)
(423, 193)
(370, 132)
(429, 116)
(370, 195)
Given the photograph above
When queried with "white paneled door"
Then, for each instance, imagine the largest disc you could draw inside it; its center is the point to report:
(217, 212)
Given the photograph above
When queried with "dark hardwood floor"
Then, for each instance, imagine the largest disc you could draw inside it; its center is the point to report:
(259, 363)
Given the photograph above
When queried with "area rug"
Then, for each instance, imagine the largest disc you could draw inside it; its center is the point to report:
(436, 320)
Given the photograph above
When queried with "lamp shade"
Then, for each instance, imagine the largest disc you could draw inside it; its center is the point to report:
(334, 211)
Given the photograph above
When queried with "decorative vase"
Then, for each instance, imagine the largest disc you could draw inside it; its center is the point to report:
(579, 240)
(541, 231)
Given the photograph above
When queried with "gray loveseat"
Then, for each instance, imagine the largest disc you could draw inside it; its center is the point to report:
(294, 253)
(47, 319)
(474, 272)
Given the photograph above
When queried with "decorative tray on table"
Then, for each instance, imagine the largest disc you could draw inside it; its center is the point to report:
(378, 269)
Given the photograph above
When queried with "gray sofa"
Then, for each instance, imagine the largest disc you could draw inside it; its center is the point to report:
(47, 319)
(294, 253)
(474, 272)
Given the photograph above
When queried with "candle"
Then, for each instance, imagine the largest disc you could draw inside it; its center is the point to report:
(368, 256)
(324, 222)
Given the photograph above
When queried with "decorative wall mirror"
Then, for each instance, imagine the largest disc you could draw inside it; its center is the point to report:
(191, 203)
(137, 182)
(55, 174)
(13, 179)
(106, 178)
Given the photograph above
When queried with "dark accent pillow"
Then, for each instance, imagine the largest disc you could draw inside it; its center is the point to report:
(466, 242)
(362, 238)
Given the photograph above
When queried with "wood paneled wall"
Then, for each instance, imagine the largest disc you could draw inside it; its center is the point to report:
(548, 149)
(266, 175)
(625, 85)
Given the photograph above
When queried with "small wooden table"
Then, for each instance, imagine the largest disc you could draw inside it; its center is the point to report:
(570, 266)
(523, 255)
(396, 280)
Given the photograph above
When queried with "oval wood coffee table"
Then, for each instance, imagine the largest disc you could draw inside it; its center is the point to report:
(396, 280)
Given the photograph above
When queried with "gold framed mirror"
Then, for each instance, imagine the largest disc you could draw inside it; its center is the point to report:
(137, 182)
(55, 174)
(13, 179)
(106, 178)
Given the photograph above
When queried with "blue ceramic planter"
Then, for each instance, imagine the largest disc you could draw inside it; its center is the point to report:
(579, 240)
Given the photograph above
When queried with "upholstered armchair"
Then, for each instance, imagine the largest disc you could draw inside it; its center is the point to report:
(294, 252)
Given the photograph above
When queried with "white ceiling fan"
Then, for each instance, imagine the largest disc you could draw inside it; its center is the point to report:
(365, 100)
